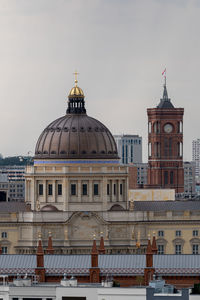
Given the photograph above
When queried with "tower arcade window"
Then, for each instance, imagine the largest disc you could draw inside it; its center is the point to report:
(149, 149)
(171, 177)
(165, 177)
(149, 126)
(166, 148)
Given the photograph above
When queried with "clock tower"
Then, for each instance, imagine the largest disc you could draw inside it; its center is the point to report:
(165, 145)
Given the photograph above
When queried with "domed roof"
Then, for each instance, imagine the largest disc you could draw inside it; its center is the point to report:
(76, 91)
(76, 135)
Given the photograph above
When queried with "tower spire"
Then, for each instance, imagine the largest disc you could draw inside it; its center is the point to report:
(76, 78)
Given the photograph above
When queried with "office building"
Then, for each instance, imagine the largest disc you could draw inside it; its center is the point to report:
(129, 148)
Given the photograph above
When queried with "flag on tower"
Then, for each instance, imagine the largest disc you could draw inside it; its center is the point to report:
(164, 72)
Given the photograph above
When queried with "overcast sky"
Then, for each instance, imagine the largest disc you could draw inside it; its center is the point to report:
(119, 47)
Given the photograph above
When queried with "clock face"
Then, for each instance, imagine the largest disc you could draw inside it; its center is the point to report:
(168, 128)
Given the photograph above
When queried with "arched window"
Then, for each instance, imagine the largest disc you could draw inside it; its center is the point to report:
(149, 150)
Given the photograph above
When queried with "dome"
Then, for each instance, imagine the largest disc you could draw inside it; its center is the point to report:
(49, 208)
(76, 135)
(76, 91)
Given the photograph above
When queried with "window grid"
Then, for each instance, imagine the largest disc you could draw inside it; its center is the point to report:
(84, 189)
(96, 189)
(4, 235)
(178, 249)
(195, 249)
(40, 189)
(195, 233)
(59, 189)
(160, 249)
(50, 189)
(160, 233)
(178, 232)
(73, 189)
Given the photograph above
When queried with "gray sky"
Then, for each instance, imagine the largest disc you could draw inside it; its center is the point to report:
(119, 47)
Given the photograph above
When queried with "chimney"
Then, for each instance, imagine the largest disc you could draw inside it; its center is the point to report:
(40, 271)
(154, 246)
(94, 270)
(101, 247)
(149, 270)
(50, 249)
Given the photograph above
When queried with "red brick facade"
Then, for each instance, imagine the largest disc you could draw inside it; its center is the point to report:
(165, 142)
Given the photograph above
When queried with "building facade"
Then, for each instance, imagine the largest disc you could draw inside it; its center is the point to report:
(129, 148)
(165, 145)
(189, 179)
(77, 188)
(196, 157)
(15, 182)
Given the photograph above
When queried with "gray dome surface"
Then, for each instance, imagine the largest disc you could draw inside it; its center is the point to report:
(76, 136)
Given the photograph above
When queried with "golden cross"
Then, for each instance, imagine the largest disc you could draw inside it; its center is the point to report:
(76, 80)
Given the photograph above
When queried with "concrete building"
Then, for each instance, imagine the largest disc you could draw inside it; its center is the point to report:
(196, 157)
(129, 148)
(15, 181)
(189, 179)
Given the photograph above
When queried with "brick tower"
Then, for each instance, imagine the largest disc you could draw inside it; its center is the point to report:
(165, 145)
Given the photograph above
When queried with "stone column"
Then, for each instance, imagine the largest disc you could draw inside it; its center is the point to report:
(104, 194)
(65, 194)
(118, 190)
(90, 190)
(54, 191)
(111, 191)
(79, 190)
(45, 190)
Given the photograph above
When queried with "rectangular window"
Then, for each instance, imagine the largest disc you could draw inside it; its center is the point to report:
(195, 249)
(166, 147)
(84, 189)
(4, 235)
(40, 189)
(170, 146)
(108, 189)
(195, 233)
(160, 249)
(4, 250)
(171, 177)
(160, 233)
(121, 189)
(114, 189)
(178, 232)
(96, 189)
(50, 189)
(165, 177)
(73, 189)
(178, 249)
(59, 189)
